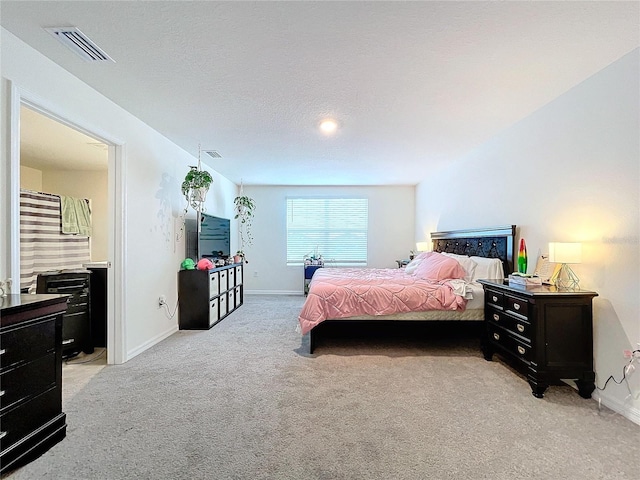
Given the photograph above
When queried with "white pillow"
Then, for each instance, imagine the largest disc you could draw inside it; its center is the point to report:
(488, 268)
(412, 265)
(465, 262)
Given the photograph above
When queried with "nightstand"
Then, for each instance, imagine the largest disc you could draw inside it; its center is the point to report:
(546, 331)
(309, 270)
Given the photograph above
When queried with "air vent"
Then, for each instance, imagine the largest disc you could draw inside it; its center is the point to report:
(212, 153)
(80, 44)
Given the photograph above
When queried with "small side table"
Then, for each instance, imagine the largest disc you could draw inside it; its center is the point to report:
(309, 270)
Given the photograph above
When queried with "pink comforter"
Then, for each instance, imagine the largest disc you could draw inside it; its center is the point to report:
(347, 292)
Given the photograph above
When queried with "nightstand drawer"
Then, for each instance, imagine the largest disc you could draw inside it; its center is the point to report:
(515, 325)
(517, 305)
(494, 298)
(514, 346)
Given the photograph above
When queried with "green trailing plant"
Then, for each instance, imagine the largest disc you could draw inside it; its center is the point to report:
(244, 207)
(195, 186)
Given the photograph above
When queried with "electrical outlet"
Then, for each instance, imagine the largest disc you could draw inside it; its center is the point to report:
(162, 300)
(255, 274)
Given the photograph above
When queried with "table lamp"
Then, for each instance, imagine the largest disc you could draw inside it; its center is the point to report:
(422, 246)
(565, 253)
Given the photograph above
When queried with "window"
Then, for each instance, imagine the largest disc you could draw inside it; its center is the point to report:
(335, 228)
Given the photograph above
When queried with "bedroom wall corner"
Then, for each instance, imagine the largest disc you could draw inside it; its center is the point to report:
(567, 172)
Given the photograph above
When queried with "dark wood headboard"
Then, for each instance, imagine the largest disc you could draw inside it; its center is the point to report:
(496, 242)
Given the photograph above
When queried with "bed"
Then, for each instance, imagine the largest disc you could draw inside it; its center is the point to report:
(436, 286)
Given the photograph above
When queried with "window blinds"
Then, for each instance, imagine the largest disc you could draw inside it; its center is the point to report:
(335, 228)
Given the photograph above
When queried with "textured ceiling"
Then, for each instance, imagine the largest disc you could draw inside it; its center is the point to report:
(46, 144)
(411, 84)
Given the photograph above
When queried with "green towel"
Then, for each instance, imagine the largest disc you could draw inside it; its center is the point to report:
(76, 217)
(84, 217)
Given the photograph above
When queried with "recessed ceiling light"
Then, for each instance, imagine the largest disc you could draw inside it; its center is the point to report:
(328, 126)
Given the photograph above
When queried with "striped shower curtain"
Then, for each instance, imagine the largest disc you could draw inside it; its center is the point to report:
(43, 247)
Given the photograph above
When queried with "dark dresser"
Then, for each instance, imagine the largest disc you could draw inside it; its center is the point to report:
(547, 332)
(31, 418)
(76, 325)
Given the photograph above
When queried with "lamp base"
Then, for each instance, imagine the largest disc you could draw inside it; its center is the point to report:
(566, 279)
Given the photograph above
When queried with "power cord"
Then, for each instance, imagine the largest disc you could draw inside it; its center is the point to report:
(627, 369)
(70, 362)
(166, 307)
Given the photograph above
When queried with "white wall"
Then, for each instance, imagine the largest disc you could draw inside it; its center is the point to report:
(30, 178)
(152, 171)
(391, 232)
(568, 172)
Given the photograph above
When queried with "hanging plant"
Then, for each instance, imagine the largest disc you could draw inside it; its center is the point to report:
(244, 208)
(195, 187)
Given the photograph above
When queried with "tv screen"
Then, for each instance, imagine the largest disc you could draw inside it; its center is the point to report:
(214, 240)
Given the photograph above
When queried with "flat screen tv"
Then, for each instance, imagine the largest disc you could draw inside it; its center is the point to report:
(214, 240)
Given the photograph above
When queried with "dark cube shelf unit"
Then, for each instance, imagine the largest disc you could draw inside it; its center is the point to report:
(207, 296)
(546, 331)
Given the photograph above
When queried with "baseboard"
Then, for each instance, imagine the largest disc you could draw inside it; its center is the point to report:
(151, 342)
(273, 292)
(624, 409)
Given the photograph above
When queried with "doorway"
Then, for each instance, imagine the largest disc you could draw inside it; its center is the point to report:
(113, 258)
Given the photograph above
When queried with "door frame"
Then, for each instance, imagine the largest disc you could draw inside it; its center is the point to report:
(116, 323)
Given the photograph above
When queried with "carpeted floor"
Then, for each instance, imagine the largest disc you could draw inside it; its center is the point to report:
(245, 401)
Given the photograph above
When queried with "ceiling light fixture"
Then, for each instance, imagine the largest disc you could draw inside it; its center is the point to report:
(328, 126)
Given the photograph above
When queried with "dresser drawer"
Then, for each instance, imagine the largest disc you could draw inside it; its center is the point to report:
(509, 343)
(27, 381)
(75, 330)
(494, 298)
(23, 420)
(238, 275)
(19, 345)
(516, 305)
(78, 302)
(232, 277)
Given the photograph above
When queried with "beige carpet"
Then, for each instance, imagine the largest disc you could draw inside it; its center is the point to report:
(245, 401)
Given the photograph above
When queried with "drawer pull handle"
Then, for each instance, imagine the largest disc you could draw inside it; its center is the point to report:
(3, 351)
(516, 306)
(521, 350)
(2, 392)
(68, 341)
(3, 434)
(520, 328)
(494, 298)
(496, 336)
(496, 317)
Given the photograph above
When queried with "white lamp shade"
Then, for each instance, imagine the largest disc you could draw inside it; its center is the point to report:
(565, 252)
(423, 246)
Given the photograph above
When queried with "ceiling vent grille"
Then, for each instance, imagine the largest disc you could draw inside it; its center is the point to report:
(213, 153)
(80, 44)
